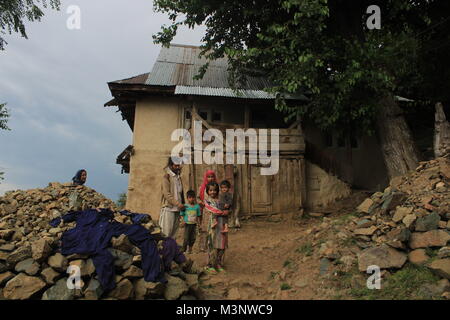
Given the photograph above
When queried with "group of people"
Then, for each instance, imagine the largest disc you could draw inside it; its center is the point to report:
(205, 212)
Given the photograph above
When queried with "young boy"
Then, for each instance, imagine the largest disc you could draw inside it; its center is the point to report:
(190, 216)
(225, 203)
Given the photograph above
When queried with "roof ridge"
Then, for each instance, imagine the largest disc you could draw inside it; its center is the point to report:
(183, 45)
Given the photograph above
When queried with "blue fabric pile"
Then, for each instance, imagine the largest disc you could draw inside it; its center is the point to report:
(92, 236)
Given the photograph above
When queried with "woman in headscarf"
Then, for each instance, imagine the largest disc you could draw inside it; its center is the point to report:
(209, 176)
(80, 177)
(75, 200)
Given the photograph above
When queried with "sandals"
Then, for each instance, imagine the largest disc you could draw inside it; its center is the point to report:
(210, 270)
(221, 270)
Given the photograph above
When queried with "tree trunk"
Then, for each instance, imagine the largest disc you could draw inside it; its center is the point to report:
(397, 146)
(441, 132)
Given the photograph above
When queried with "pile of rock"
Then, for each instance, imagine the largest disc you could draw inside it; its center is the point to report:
(410, 220)
(32, 268)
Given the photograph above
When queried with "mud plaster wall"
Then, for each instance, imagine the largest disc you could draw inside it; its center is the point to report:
(155, 121)
(322, 188)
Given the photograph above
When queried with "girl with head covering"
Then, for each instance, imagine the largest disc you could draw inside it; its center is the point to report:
(209, 176)
(80, 177)
(217, 238)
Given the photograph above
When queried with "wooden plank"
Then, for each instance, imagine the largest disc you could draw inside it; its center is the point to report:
(247, 117)
(295, 124)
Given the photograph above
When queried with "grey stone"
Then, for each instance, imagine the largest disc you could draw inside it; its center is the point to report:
(94, 290)
(144, 289)
(124, 290)
(364, 223)
(41, 249)
(5, 277)
(58, 262)
(175, 288)
(441, 267)
(22, 287)
(429, 222)
(49, 275)
(324, 266)
(18, 255)
(433, 291)
(122, 259)
(133, 272)
(383, 257)
(444, 252)
(122, 243)
(59, 291)
(87, 267)
(3, 267)
(399, 234)
(393, 200)
(8, 247)
(433, 238)
(29, 266)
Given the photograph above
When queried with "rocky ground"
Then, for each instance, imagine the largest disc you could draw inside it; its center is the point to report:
(403, 230)
(325, 255)
(31, 266)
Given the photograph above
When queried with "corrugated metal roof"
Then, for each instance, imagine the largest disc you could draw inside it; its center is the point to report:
(140, 79)
(178, 64)
(223, 92)
(228, 92)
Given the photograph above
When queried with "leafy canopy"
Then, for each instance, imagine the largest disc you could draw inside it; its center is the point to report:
(14, 12)
(318, 47)
(4, 115)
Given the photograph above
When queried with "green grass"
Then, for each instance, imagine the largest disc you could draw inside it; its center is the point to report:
(285, 286)
(287, 263)
(405, 284)
(305, 249)
(206, 286)
(345, 218)
(273, 274)
(349, 242)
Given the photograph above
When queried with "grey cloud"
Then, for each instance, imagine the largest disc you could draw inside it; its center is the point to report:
(55, 86)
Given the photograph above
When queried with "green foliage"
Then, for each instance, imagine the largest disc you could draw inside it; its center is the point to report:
(4, 115)
(305, 249)
(285, 286)
(320, 48)
(14, 12)
(122, 201)
(287, 263)
(402, 285)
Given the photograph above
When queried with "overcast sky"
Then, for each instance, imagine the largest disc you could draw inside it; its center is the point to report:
(55, 87)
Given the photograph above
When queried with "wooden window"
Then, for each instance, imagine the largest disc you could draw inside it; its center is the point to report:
(203, 114)
(217, 116)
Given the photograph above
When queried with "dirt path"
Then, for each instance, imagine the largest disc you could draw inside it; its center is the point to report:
(270, 258)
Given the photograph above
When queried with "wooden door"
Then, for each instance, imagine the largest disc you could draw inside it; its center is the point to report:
(260, 191)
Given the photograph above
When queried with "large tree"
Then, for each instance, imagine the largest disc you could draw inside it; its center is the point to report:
(14, 12)
(325, 49)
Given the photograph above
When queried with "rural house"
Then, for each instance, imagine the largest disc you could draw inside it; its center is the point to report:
(155, 104)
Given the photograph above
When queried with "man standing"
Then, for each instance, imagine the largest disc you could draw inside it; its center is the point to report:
(172, 199)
